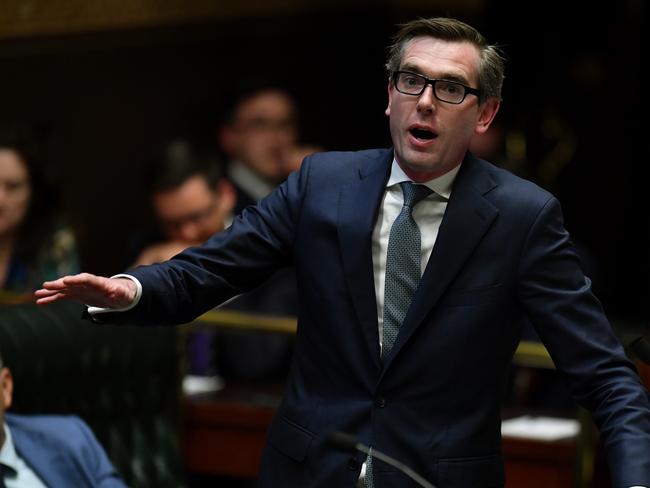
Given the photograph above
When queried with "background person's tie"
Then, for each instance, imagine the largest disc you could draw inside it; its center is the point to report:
(402, 275)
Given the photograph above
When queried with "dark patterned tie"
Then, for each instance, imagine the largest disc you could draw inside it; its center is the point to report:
(402, 264)
(402, 275)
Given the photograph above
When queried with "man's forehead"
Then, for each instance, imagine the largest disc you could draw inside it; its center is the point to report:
(432, 56)
(195, 188)
(265, 103)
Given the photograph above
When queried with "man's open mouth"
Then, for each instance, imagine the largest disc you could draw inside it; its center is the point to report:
(424, 134)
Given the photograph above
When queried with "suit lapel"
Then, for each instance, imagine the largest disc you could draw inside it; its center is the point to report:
(467, 218)
(46, 458)
(358, 206)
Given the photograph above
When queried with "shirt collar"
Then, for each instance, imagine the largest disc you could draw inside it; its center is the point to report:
(442, 185)
(8, 456)
(248, 180)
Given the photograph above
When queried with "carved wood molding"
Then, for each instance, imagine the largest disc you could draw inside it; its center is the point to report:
(35, 18)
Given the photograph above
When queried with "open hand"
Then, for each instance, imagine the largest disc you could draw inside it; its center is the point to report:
(88, 289)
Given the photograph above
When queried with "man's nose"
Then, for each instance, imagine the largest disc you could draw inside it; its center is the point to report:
(426, 100)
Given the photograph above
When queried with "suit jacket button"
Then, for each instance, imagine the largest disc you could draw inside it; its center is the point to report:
(353, 464)
(380, 402)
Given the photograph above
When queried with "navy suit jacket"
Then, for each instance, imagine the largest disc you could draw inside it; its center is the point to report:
(434, 401)
(62, 451)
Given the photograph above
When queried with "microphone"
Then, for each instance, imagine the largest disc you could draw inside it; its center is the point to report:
(348, 443)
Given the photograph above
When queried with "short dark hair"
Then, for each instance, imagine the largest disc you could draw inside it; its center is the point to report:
(491, 65)
(177, 162)
(247, 89)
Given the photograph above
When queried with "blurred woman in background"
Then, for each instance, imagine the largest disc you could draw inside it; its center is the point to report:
(34, 246)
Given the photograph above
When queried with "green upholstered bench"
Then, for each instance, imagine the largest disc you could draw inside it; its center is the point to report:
(123, 380)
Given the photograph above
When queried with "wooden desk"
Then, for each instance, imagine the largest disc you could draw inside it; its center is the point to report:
(224, 435)
(536, 464)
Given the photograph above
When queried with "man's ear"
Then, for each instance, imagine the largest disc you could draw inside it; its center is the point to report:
(227, 139)
(487, 111)
(390, 98)
(6, 387)
(227, 196)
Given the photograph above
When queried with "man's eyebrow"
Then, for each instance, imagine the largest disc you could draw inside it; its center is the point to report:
(445, 76)
(412, 69)
(457, 78)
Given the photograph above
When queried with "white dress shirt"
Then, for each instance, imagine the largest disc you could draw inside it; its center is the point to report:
(248, 180)
(18, 473)
(427, 215)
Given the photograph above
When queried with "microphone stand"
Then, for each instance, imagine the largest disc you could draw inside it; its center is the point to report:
(346, 442)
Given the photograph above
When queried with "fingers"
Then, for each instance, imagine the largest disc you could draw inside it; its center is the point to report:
(43, 293)
(84, 280)
(75, 287)
(45, 296)
(88, 289)
(73, 280)
(54, 285)
(44, 300)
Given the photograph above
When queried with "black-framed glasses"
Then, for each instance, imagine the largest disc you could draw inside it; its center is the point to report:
(444, 90)
(198, 217)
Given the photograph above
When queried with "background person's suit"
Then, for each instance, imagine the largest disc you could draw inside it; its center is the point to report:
(434, 401)
(250, 355)
(62, 451)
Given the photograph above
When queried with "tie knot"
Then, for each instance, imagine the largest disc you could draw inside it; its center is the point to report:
(413, 193)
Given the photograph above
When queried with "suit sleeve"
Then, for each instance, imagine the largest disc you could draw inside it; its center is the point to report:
(98, 464)
(558, 300)
(259, 242)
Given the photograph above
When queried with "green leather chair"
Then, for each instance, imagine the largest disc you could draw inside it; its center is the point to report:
(122, 380)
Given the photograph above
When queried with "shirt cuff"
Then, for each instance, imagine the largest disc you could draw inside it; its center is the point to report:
(138, 294)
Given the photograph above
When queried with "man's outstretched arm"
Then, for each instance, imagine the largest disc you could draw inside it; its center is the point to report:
(96, 291)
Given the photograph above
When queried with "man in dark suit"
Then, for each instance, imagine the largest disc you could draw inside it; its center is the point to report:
(259, 137)
(415, 266)
(52, 451)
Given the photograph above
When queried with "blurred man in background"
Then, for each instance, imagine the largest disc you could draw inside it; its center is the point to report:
(260, 139)
(190, 200)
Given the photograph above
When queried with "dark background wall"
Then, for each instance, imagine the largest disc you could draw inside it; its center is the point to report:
(108, 90)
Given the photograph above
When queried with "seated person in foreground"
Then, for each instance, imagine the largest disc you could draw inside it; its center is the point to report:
(49, 451)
